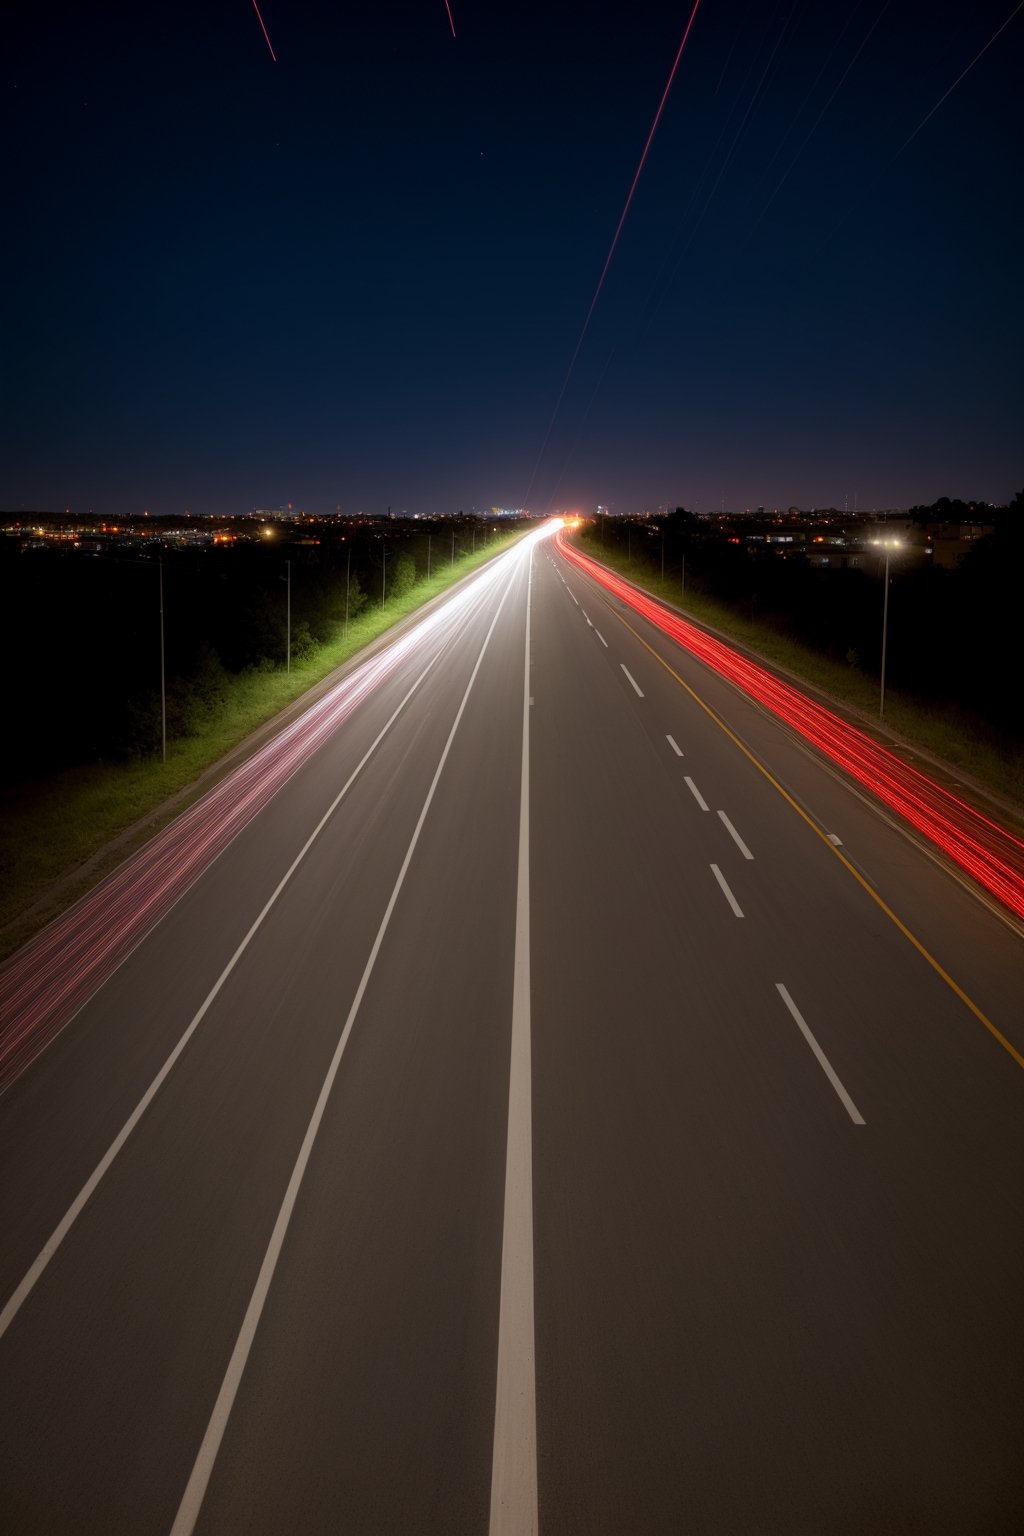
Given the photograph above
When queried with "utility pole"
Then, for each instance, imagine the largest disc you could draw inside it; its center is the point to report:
(288, 642)
(453, 548)
(384, 570)
(428, 556)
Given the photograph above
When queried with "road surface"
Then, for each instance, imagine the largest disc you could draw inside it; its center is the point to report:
(598, 1125)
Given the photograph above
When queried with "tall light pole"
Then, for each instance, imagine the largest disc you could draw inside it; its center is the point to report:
(348, 587)
(428, 556)
(288, 639)
(163, 673)
(888, 545)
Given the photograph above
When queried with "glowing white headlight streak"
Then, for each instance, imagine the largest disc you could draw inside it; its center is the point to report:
(54, 975)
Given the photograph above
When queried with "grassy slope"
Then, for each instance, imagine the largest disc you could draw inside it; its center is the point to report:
(58, 837)
(938, 732)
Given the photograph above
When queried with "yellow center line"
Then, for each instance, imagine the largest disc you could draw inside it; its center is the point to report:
(925, 953)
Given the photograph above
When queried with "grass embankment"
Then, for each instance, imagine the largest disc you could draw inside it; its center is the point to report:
(936, 730)
(59, 837)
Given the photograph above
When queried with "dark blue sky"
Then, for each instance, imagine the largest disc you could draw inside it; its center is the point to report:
(356, 277)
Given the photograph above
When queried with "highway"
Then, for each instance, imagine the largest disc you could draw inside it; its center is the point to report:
(568, 1103)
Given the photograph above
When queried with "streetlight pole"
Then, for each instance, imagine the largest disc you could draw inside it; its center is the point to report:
(384, 570)
(348, 587)
(888, 544)
(428, 556)
(163, 671)
(288, 639)
(885, 633)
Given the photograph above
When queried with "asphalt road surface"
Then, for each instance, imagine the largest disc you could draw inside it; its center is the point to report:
(601, 1127)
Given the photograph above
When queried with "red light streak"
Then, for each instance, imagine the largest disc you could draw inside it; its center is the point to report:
(450, 21)
(984, 850)
(259, 18)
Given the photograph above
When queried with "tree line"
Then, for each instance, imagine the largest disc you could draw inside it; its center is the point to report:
(81, 632)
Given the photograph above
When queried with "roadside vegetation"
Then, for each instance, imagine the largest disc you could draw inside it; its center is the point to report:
(65, 823)
(983, 745)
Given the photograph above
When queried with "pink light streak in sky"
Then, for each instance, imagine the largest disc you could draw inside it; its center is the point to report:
(266, 34)
(615, 241)
(451, 23)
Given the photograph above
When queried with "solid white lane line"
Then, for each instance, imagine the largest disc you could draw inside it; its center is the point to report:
(695, 792)
(823, 1061)
(636, 686)
(730, 898)
(514, 1459)
(672, 743)
(75, 1209)
(601, 637)
(192, 1499)
(740, 844)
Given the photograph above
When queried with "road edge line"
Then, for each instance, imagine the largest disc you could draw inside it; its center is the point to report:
(514, 1505)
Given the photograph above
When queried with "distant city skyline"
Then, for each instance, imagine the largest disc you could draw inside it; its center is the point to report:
(355, 273)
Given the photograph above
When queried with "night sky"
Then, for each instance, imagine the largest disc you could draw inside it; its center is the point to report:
(355, 277)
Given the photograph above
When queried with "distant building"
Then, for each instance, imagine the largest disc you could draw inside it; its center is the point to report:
(949, 542)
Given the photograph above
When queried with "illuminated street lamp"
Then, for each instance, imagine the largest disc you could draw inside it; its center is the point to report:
(888, 545)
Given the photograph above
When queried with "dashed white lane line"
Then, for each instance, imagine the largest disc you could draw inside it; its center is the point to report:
(572, 594)
(837, 842)
(695, 792)
(823, 1061)
(730, 898)
(586, 615)
(740, 844)
(672, 743)
(601, 637)
(636, 686)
